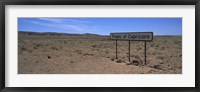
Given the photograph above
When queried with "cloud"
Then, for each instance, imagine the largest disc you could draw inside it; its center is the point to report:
(61, 23)
(56, 20)
(62, 20)
(72, 20)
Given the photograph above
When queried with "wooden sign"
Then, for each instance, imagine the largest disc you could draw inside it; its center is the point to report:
(133, 36)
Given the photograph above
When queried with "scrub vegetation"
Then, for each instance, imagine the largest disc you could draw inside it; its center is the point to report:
(58, 53)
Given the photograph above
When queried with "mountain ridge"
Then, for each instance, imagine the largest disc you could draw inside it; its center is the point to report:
(55, 34)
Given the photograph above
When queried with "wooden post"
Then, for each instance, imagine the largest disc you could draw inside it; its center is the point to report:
(145, 52)
(116, 49)
(129, 51)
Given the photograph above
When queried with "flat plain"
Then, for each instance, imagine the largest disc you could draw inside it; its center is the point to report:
(57, 53)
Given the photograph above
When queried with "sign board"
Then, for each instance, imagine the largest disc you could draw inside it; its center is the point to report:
(133, 36)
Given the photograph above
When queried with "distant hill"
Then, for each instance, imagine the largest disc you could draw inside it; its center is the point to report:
(21, 33)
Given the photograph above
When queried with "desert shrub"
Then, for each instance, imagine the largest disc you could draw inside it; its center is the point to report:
(132, 55)
(94, 46)
(34, 47)
(161, 62)
(163, 48)
(178, 42)
(106, 51)
(89, 54)
(36, 61)
(139, 48)
(38, 45)
(160, 57)
(22, 41)
(151, 45)
(107, 57)
(54, 48)
(23, 48)
(65, 42)
(155, 52)
(165, 41)
(157, 45)
(79, 51)
(137, 56)
(30, 51)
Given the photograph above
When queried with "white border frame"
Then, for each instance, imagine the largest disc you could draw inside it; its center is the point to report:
(186, 79)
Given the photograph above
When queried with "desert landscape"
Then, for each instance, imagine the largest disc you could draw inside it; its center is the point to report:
(62, 53)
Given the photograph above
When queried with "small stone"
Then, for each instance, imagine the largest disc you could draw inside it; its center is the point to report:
(134, 62)
(119, 61)
(49, 57)
(156, 66)
(112, 59)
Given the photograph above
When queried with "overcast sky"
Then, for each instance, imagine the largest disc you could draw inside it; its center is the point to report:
(102, 26)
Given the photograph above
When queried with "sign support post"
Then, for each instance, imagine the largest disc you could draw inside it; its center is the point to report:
(129, 51)
(116, 49)
(145, 52)
(132, 36)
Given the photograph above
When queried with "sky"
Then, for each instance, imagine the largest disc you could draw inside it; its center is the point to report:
(102, 26)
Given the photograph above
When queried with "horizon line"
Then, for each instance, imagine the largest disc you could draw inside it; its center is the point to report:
(100, 34)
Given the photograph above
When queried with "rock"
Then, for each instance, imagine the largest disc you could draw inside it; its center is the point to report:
(112, 59)
(180, 55)
(54, 48)
(94, 46)
(23, 48)
(49, 57)
(119, 61)
(79, 51)
(155, 66)
(89, 54)
(134, 62)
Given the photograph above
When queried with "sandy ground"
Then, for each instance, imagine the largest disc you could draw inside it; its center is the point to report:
(96, 55)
